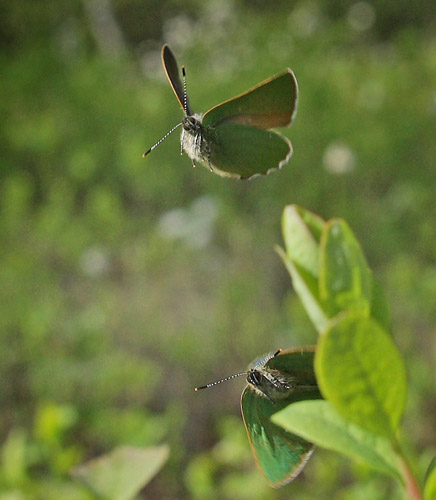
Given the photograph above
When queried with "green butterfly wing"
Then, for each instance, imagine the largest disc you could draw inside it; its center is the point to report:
(280, 455)
(298, 363)
(239, 151)
(272, 103)
(171, 68)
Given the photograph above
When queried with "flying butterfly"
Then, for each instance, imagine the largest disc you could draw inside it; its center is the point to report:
(233, 139)
(274, 381)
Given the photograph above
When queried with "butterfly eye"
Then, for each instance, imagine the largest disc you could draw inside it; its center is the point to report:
(190, 123)
(254, 377)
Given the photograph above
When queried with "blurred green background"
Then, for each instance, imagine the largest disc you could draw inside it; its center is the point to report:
(126, 282)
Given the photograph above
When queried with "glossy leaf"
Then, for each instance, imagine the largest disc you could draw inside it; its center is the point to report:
(121, 474)
(319, 423)
(301, 233)
(307, 290)
(345, 280)
(360, 371)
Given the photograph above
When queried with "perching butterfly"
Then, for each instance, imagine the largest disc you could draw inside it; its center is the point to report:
(275, 381)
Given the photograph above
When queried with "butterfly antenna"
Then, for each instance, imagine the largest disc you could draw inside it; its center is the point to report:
(185, 95)
(219, 381)
(161, 140)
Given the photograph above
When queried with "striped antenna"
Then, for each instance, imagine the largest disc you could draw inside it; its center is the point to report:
(185, 95)
(211, 384)
(161, 140)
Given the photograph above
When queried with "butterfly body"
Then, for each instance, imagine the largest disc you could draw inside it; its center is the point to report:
(194, 139)
(232, 139)
(276, 385)
(272, 385)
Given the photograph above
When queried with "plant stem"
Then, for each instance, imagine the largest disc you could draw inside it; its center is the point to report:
(411, 483)
(413, 488)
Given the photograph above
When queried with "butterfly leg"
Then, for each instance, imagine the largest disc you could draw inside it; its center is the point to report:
(267, 397)
(208, 160)
(281, 383)
(206, 153)
(198, 141)
(181, 141)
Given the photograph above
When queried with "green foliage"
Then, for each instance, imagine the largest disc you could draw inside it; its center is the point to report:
(345, 281)
(359, 370)
(121, 474)
(319, 422)
(328, 269)
(301, 232)
(124, 282)
(430, 481)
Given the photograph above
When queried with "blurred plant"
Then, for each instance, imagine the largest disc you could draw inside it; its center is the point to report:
(121, 474)
(26, 456)
(359, 370)
(110, 317)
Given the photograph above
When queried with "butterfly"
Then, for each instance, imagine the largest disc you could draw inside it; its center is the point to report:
(233, 139)
(274, 381)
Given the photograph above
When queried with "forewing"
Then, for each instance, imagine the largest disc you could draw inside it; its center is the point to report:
(172, 71)
(279, 454)
(298, 363)
(239, 151)
(272, 103)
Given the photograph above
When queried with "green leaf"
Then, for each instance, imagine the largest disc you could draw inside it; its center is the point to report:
(307, 289)
(121, 474)
(360, 371)
(430, 481)
(345, 280)
(13, 457)
(301, 233)
(380, 310)
(319, 423)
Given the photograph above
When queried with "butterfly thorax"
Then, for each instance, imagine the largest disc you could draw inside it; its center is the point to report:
(275, 385)
(193, 139)
(192, 123)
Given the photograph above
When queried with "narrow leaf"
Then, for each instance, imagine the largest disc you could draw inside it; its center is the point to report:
(360, 371)
(319, 423)
(301, 233)
(121, 474)
(306, 287)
